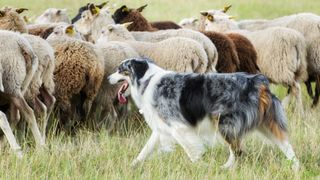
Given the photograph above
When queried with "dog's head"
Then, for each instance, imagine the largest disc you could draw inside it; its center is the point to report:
(129, 72)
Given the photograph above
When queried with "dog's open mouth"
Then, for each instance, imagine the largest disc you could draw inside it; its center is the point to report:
(122, 99)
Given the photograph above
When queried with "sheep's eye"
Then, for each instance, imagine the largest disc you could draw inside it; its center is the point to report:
(210, 18)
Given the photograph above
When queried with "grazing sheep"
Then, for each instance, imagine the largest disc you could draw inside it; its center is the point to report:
(282, 49)
(84, 8)
(306, 23)
(190, 23)
(18, 63)
(164, 25)
(92, 21)
(177, 54)
(53, 15)
(158, 36)
(79, 71)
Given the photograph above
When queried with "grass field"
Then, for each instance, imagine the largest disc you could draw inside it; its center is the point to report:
(97, 155)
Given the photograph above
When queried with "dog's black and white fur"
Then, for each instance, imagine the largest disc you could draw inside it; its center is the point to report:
(180, 108)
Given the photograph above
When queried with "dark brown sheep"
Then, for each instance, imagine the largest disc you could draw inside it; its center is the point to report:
(246, 53)
(228, 60)
(163, 25)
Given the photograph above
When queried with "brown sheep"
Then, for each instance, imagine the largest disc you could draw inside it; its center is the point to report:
(163, 25)
(79, 72)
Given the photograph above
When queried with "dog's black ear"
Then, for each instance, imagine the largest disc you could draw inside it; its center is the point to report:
(139, 67)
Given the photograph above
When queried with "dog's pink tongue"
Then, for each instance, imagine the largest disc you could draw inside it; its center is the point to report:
(122, 99)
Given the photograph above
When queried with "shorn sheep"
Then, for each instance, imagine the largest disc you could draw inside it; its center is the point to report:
(41, 85)
(282, 49)
(78, 73)
(158, 36)
(308, 24)
(92, 21)
(177, 54)
(53, 15)
(18, 63)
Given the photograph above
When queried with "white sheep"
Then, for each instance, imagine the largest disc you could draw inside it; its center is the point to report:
(177, 54)
(18, 63)
(53, 15)
(92, 21)
(281, 53)
(306, 23)
(190, 23)
(161, 35)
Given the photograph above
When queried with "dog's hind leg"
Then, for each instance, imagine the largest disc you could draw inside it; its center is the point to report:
(167, 143)
(147, 149)
(190, 142)
(5, 127)
(279, 137)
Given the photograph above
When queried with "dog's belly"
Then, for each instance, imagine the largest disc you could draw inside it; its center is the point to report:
(207, 129)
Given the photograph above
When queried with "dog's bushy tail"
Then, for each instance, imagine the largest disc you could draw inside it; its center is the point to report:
(272, 115)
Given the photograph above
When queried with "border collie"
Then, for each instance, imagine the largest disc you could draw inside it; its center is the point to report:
(175, 105)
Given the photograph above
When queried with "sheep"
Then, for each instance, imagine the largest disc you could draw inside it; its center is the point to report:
(10, 20)
(190, 23)
(92, 21)
(308, 24)
(84, 8)
(106, 101)
(42, 84)
(177, 54)
(18, 63)
(281, 48)
(53, 15)
(158, 36)
(79, 71)
(163, 25)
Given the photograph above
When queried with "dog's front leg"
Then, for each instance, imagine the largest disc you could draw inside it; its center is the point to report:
(147, 149)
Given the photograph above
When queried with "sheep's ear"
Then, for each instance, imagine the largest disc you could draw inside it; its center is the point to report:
(195, 20)
(210, 17)
(226, 8)
(125, 9)
(102, 4)
(110, 28)
(26, 19)
(204, 13)
(70, 30)
(2, 13)
(93, 9)
(232, 17)
(60, 10)
(127, 24)
(140, 9)
(20, 10)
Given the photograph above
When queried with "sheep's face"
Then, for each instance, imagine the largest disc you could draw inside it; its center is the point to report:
(219, 23)
(53, 15)
(116, 32)
(189, 23)
(10, 19)
(65, 30)
(84, 24)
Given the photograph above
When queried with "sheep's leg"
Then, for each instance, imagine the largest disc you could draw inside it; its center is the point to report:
(42, 109)
(317, 92)
(4, 125)
(87, 107)
(286, 100)
(309, 88)
(14, 115)
(28, 114)
(296, 90)
(48, 99)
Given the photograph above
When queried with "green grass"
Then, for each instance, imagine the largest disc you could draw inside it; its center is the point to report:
(96, 155)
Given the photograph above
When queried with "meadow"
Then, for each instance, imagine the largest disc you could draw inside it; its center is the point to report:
(99, 155)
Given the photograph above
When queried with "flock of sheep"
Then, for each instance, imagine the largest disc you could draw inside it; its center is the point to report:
(56, 64)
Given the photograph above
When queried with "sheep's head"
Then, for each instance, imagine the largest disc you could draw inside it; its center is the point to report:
(123, 12)
(219, 23)
(11, 20)
(86, 7)
(64, 30)
(116, 32)
(190, 23)
(53, 15)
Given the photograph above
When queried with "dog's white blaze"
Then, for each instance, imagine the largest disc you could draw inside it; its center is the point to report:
(116, 77)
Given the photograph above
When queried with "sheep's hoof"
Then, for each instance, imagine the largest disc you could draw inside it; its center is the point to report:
(19, 153)
(135, 163)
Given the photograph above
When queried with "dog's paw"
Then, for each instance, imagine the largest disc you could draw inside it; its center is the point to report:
(295, 166)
